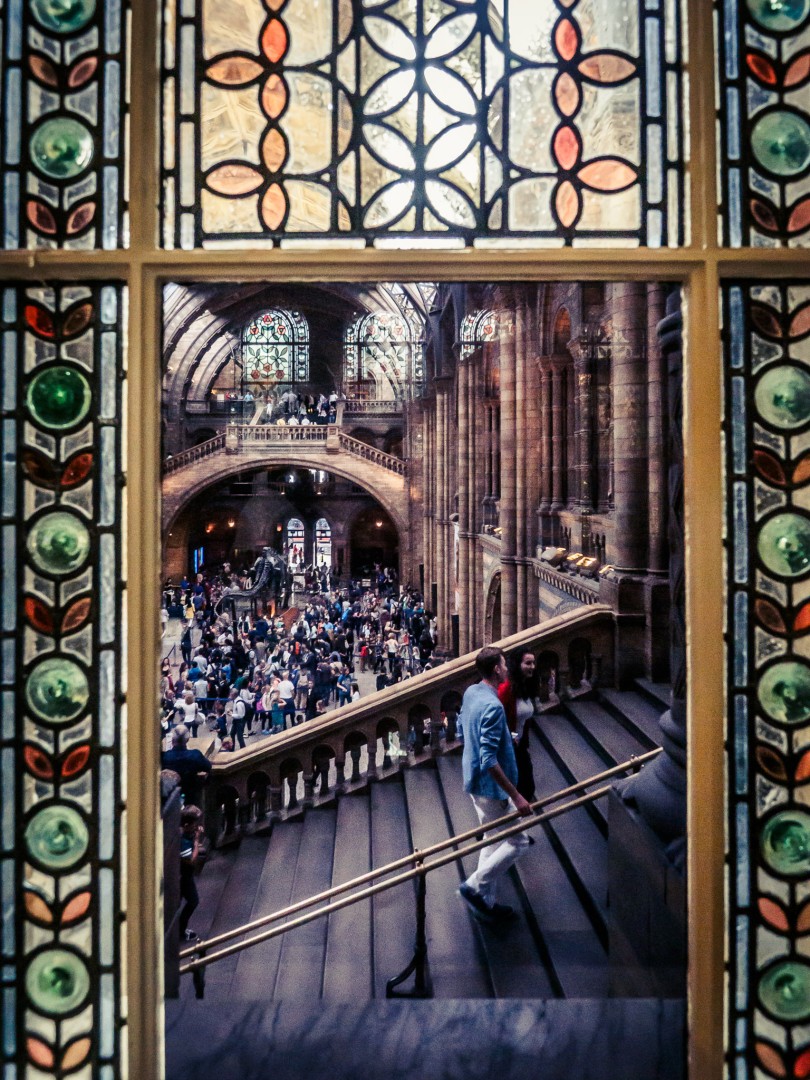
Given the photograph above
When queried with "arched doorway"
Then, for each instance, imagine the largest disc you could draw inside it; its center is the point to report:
(373, 542)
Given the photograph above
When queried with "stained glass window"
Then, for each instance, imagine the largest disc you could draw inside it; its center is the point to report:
(63, 113)
(384, 357)
(295, 542)
(476, 328)
(275, 348)
(764, 74)
(768, 618)
(62, 677)
(323, 543)
(431, 120)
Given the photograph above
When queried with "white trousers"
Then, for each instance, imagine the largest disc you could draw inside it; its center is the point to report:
(495, 860)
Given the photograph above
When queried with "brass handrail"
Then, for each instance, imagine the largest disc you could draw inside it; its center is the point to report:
(521, 825)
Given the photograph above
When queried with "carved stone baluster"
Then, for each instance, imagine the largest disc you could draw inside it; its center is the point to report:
(355, 754)
(309, 789)
(340, 769)
(292, 782)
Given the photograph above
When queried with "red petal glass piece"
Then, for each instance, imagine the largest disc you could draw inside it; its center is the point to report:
(274, 97)
(77, 470)
(41, 216)
(234, 71)
(39, 1052)
(801, 1066)
(770, 467)
(802, 619)
(39, 320)
(274, 40)
(607, 67)
(38, 762)
(274, 207)
(799, 218)
(566, 147)
(566, 39)
(77, 320)
(567, 94)
(76, 615)
(39, 615)
(774, 914)
(801, 774)
(82, 72)
(770, 616)
(274, 150)
(610, 174)
(80, 217)
(567, 203)
(43, 70)
(275, 5)
(800, 323)
(76, 761)
(36, 908)
(76, 1053)
(40, 468)
(803, 921)
(770, 1059)
(801, 471)
(764, 215)
(765, 321)
(798, 70)
(234, 180)
(772, 763)
(761, 68)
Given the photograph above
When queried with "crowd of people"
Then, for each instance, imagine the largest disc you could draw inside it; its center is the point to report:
(292, 408)
(260, 675)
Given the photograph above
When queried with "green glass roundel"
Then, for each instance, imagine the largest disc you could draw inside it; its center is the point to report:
(56, 837)
(59, 397)
(783, 396)
(57, 690)
(63, 16)
(784, 544)
(57, 981)
(61, 148)
(59, 543)
(779, 14)
(784, 692)
(784, 990)
(780, 141)
(785, 843)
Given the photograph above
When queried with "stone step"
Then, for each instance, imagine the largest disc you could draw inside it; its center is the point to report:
(603, 731)
(257, 967)
(300, 969)
(516, 958)
(660, 694)
(392, 910)
(577, 838)
(637, 713)
(454, 947)
(348, 970)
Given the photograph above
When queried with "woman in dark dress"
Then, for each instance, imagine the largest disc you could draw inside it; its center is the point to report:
(517, 696)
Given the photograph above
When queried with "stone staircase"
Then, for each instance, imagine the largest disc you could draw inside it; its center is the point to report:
(558, 948)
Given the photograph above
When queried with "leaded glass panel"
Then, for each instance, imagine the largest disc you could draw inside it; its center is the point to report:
(385, 350)
(64, 114)
(422, 120)
(63, 680)
(477, 327)
(764, 108)
(275, 349)
(767, 445)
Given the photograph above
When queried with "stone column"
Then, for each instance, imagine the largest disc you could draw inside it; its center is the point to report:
(545, 437)
(464, 502)
(522, 444)
(442, 552)
(508, 470)
(559, 449)
(583, 436)
(630, 442)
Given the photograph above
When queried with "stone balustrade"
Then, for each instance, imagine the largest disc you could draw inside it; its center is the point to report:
(389, 730)
(372, 407)
(194, 453)
(371, 453)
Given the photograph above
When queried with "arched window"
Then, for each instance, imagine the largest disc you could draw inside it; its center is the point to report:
(478, 327)
(295, 543)
(275, 348)
(383, 357)
(323, 543)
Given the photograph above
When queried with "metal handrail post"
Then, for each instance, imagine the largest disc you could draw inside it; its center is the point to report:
(418, 965)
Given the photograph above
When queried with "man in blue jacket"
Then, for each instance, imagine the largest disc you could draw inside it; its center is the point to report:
(490, 776)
